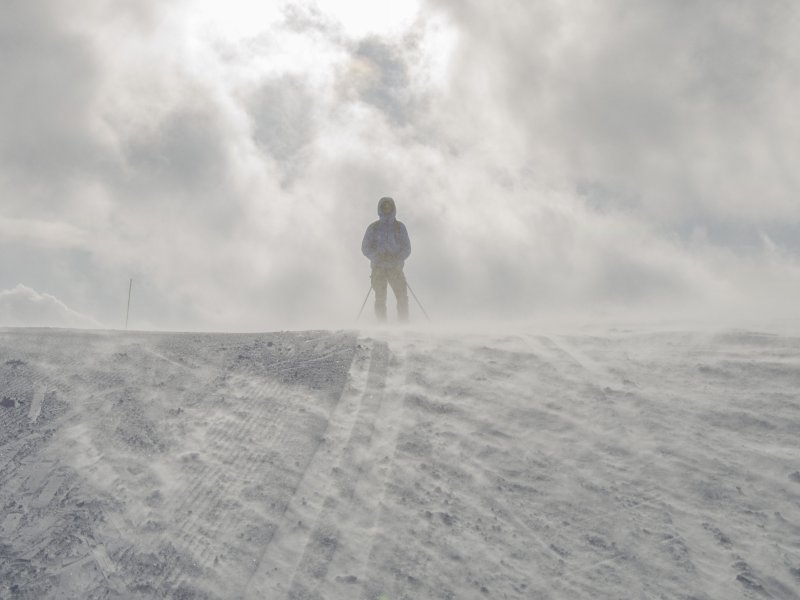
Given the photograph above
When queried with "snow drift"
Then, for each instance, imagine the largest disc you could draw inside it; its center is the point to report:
(399, 465)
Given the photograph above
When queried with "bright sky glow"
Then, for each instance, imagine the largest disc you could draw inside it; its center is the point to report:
(241, 42)
(235, 19)
(362, 18)
(238, 19)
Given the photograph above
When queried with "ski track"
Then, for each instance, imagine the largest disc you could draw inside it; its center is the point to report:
(203, 503)
(197, 534)
(204, 524)
(307, 536)
(350, 518)
(352, 564)
(520, 466)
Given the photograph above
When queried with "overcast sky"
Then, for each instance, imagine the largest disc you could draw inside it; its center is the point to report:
(616, 157)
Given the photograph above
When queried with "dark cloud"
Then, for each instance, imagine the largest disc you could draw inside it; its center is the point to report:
(307, 18)
(282, 113)
(49, 79)
(183, 152)
(673, 105)
(380, 75)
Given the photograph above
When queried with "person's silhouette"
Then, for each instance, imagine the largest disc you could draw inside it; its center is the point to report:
(387, 246)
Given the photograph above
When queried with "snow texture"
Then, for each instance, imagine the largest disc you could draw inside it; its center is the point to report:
(399, 465)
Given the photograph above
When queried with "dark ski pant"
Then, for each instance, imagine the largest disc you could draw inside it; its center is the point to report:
(395, 278)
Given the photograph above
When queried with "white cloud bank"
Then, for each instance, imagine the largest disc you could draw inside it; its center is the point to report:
(22, 306)
(553, 156)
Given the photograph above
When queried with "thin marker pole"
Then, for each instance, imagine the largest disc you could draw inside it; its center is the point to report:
(128, 312)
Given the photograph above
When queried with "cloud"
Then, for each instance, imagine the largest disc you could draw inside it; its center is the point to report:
(379, 74)
(283, 112)
(49, 78)
(677, 110)
(54, 234)
(22, 306)
(544, 156)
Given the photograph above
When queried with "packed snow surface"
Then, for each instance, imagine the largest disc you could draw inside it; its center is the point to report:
(399, 465)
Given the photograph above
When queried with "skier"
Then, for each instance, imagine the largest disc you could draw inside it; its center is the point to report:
(387, 246)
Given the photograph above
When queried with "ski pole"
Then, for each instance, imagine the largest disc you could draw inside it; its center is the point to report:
(418, 302)
(365, 302)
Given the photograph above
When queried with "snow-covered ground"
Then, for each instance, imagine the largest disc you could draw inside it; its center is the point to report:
(399, 465)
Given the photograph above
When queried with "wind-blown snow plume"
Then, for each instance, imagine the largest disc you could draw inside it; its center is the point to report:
(22, 306)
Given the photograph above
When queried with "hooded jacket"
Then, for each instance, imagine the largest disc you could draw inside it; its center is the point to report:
(386, 242)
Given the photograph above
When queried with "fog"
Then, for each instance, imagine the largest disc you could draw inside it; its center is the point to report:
(550, 160)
